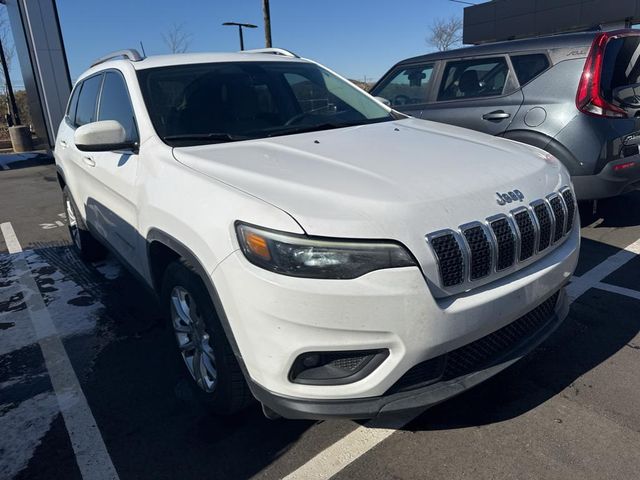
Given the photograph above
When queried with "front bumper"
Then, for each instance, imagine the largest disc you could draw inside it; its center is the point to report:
(419, 398)
(275, 318)
(609, 182)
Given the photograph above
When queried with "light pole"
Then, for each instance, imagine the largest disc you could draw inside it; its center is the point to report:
(267, 23)
(240, 25)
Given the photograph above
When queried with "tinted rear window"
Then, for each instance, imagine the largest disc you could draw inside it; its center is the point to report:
(529, 66)
(620, 66)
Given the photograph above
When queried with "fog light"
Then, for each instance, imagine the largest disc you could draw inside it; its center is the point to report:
(310, 361)
(335, 368)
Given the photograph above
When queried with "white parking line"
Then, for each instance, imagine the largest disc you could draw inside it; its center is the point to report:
(4, 167)
(627, 292)
(598, 273)
(348, 449)
(333, 459)
(10, 239)
(91, 453)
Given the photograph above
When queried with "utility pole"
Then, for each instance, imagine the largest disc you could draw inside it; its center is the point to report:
(240, 25)
(267, 23)
(15, 115)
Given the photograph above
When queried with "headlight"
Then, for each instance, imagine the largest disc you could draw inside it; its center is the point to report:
(302, 256)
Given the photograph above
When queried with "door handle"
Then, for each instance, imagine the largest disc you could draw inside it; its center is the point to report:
(89, 161)
(497, 115)
(63, 143)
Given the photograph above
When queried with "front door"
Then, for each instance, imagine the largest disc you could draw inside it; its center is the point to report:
(407, 88)
(481, 94)
(112, 195)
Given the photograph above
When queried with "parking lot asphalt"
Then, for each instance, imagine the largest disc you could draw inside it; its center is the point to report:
(112, 400)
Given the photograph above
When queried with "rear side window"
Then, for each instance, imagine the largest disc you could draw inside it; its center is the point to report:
(620, 67)
(484, 77)
(86, 111)
(73, 104)
(528, 67)
(407, 85)
(116, 105)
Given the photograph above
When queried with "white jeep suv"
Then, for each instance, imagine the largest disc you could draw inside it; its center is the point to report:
(315, 249)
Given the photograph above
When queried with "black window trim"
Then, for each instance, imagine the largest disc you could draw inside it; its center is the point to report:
(77, 87)
(523, 53)
(511, 79)
(126, 88)
(387, 77)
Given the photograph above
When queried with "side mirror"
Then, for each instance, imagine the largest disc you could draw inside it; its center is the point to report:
(102, 136)
(383, 100)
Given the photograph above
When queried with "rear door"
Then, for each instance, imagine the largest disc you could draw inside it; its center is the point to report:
(477, 93)
(408, 88)
(79, 172)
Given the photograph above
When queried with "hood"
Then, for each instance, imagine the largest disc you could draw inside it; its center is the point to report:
(388, 180)
(396, 180)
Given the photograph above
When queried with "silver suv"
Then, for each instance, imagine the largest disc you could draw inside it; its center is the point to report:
(577, 96)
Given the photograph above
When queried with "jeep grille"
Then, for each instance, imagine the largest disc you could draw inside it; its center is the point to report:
(478, 249)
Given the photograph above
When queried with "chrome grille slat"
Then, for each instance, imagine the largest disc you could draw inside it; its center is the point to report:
(449, 255)
(505, 239)
(545, 224)
(477, 250)
(558, 210)
(528, 234)
(567, 196)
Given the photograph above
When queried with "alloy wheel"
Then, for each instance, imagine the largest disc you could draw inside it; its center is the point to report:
(193, 339)
(73, 225)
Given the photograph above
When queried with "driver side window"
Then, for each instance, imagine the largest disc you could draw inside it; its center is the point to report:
(407, 86)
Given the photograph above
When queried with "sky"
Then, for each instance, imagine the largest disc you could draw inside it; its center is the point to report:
(355, 38)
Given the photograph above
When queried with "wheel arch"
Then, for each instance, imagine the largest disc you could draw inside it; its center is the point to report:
(548, 144)
(60, 176)
(167, 249)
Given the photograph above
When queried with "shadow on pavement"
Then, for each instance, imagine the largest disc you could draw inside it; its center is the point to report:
(622, 211)
(140, 393)
(15, 161)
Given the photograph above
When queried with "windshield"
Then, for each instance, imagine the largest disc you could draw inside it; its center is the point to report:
(223, 102)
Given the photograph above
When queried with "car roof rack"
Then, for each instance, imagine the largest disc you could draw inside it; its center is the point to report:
(130, 54)
(272, 51)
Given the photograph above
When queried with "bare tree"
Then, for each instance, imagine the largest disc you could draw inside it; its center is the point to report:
(445, 33)
(7, 41)
(176, 39)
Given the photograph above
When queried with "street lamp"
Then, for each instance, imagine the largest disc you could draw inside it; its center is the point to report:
(240, 25)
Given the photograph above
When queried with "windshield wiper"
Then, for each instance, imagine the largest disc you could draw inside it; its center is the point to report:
(325, 126)
(309, 128)
(205, 137)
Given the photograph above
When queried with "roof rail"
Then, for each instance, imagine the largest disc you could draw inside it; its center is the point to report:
(272, 51)
(130, 54)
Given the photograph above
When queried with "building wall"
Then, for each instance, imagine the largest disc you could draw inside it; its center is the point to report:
(509, 19)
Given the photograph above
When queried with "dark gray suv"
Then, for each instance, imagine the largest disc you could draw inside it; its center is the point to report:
(576, 96)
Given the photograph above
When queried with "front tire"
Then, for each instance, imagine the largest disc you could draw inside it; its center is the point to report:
(202, 343)
(86, 245)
